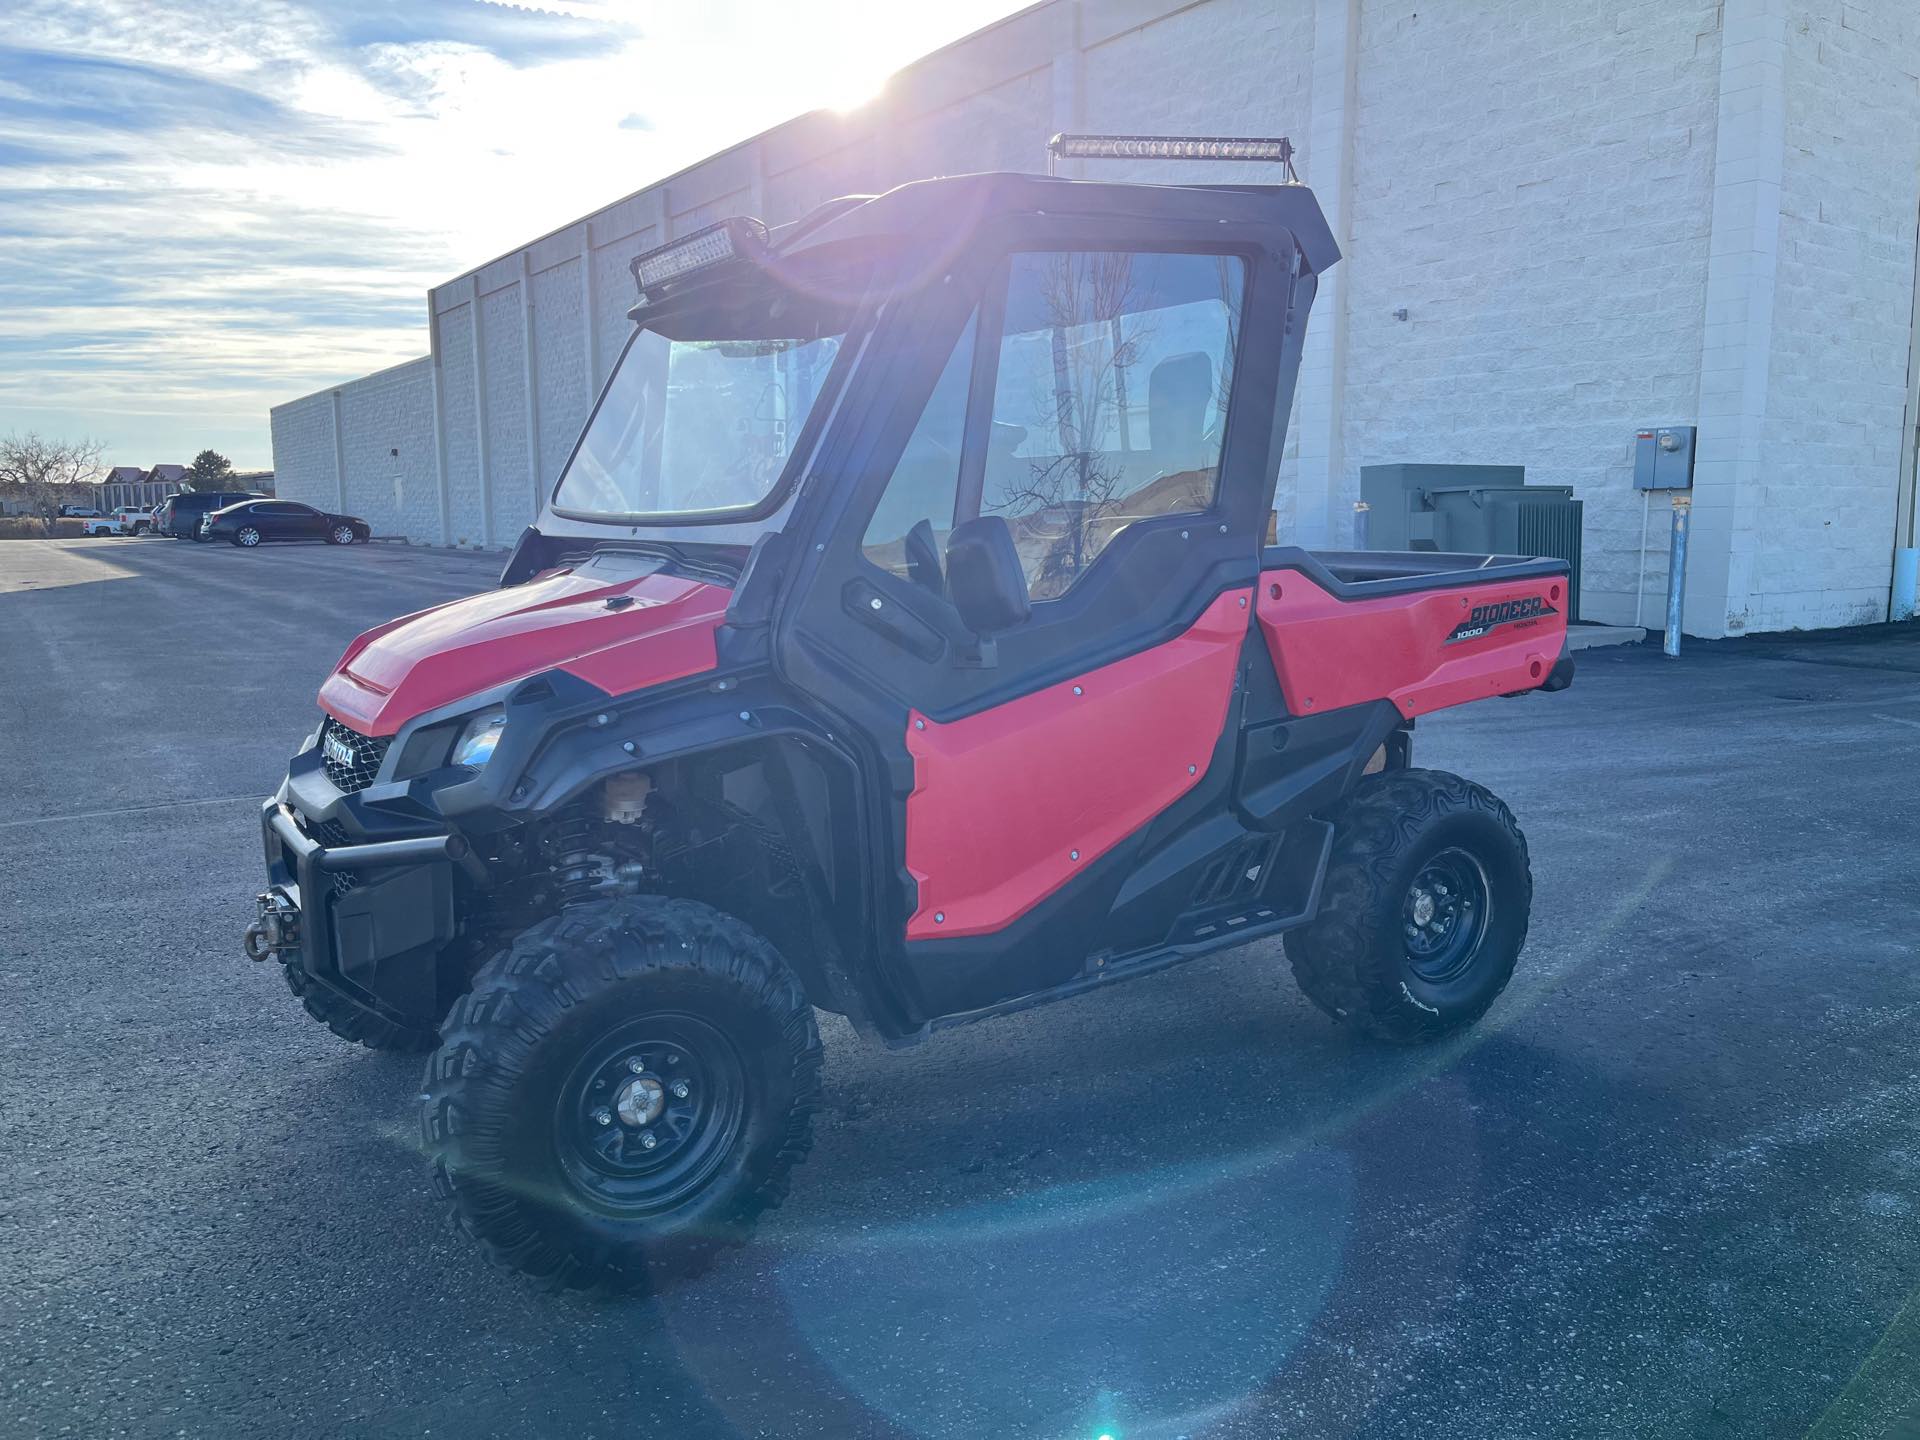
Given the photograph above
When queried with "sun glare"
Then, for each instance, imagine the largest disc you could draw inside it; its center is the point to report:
(849, 81)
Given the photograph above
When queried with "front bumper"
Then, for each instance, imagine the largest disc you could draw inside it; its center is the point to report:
(366, 921)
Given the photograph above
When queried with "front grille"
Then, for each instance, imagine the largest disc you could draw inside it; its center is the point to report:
(354, 769)
(331, 833)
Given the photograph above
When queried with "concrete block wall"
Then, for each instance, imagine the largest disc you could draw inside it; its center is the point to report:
(1596, 214)
(386, 436)
(365, 448)
(1843, 301)
(1532, 185)
(304, 464)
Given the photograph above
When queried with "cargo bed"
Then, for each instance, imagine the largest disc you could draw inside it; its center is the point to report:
(1363, 574)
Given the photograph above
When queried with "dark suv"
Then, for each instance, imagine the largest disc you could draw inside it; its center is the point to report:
(180, 515)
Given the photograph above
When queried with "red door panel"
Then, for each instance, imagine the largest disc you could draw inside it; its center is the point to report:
(1423, 651)
(1008, 804)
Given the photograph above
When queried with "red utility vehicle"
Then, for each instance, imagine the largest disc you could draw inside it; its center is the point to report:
(900, 641)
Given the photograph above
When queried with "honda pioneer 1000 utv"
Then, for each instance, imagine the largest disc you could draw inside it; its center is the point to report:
(900, 640)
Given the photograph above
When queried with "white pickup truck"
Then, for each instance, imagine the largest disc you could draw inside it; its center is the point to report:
(127, 520)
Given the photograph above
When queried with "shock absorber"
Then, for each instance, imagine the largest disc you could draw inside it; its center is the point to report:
(579, 871)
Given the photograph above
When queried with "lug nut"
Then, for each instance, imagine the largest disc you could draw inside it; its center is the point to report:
(648, 1140)
(680, 1090)
(603, 1116)
(636, 1064)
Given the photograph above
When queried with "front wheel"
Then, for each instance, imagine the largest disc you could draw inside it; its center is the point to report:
(623, 1092)
(1423, 911)
(341, 535)
(350, 1021)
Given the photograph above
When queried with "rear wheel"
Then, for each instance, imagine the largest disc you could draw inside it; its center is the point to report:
(1424, 909)
(247, 536)
(623, 1093)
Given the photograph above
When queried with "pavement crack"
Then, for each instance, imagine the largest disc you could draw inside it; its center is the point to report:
(126, 810)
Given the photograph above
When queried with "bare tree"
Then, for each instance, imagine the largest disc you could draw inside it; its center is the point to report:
(1086, 294)
(48, 473)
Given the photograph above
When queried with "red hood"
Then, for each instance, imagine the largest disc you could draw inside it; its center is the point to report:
(558, 621)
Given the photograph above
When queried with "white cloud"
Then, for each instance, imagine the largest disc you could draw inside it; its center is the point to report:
(206, 208)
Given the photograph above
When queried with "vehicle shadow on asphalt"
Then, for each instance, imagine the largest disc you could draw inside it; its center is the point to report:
(1170, 1213)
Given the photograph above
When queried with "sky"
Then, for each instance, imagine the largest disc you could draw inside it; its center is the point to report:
(209, 208)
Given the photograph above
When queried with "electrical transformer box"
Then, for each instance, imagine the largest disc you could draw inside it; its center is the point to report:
(1471, 510)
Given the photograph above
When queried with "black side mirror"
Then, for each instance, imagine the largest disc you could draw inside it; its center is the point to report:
(524, 563)
(984, 576)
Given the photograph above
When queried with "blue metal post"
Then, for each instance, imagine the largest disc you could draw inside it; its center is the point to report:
(1677, 571)
(1361, 528)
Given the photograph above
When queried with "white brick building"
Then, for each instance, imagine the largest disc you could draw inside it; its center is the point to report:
(1596, 215)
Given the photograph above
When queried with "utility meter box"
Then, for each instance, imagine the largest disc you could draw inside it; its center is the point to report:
(1663, 457)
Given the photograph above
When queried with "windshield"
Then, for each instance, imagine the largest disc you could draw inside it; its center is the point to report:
(699, 424)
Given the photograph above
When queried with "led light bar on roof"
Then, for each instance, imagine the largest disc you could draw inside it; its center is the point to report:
(1275, 149)
(706, 247)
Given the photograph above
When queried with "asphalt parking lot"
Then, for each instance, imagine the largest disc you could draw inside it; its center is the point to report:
(1667, 1189)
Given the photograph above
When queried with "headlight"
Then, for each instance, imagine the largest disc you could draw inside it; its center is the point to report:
(476, 743)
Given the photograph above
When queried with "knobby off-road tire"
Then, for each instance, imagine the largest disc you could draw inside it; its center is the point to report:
(1379, 956)
(535, 1113)
(350, 1022)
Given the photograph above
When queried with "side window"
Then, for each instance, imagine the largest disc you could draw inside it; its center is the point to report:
(926, 480)
(1109, 401)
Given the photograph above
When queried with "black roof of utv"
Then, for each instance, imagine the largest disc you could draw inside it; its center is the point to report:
(936, 210)
(936, 219)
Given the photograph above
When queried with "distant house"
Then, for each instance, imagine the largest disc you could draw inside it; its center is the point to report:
(130, 485)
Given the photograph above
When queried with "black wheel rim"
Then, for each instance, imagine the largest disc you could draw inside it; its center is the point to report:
(1444, 916)
(649, 1113)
